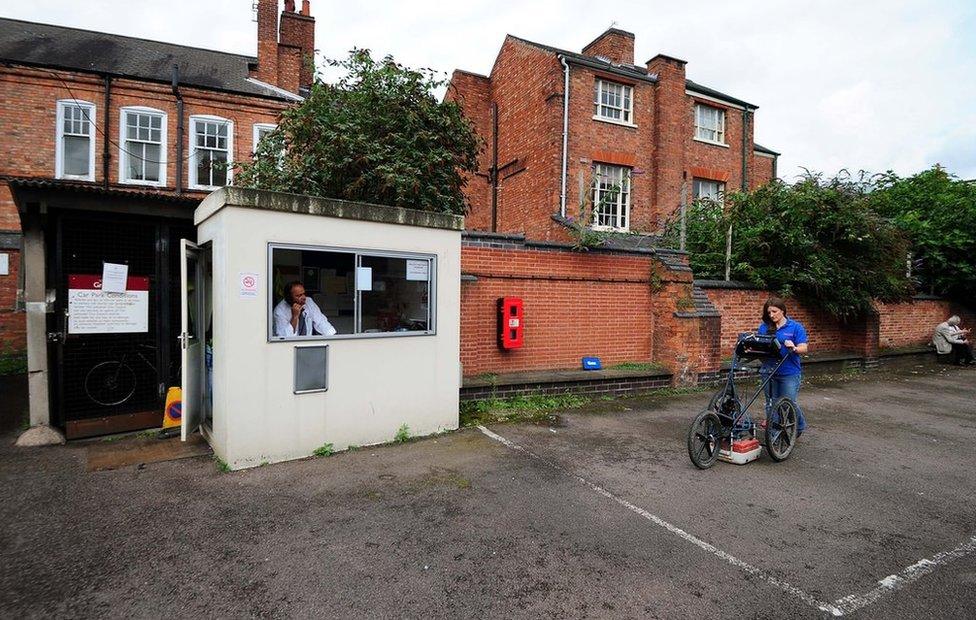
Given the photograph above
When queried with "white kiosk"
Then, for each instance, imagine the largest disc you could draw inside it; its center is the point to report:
(386, 279)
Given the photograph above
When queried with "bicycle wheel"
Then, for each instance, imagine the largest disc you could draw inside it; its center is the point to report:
(705, 439)
(781, 429)
(110, 383)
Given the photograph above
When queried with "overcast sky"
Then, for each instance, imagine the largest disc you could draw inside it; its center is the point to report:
(839, 84)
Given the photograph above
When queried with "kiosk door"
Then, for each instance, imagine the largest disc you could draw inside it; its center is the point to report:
(192, 342)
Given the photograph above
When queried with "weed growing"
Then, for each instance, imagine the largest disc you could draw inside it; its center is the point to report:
(222, 465)
(324, 450)
(402, 434)
(520, 408)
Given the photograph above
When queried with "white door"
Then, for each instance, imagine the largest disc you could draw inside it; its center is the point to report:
(191, 337)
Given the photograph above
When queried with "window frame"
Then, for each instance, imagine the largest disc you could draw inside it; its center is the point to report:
(124, 154)
(194, 182)
(627, 113)
(59, 155)
(720, 129)
(719, 185)
(255, 130)
(357, 253)
(622, 206)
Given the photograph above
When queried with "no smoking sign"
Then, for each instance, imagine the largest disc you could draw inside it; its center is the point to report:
(249, 284)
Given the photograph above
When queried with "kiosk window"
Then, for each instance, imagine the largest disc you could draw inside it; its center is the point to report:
(319, 293)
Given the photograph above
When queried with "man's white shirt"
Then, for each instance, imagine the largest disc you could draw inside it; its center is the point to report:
(314, 317)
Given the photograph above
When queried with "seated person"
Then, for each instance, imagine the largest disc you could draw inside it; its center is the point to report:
(949, 338)
(297, 315)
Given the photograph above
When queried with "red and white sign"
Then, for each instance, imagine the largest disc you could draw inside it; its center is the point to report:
(94, 311)
(249, 284)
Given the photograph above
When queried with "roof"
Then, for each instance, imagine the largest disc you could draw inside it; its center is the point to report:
(61, 47)
(631, 71)
(100, 190)
(711, 92)
(763, 149)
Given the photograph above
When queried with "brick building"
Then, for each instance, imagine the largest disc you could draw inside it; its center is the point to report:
(649, 131)
(110, 143)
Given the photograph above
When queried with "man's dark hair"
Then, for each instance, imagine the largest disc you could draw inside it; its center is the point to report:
(288, 288)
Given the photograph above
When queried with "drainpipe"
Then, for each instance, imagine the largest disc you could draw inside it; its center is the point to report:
(562, 196)
(106, 154)
(745, 126)
(179, 129)
(494, 167)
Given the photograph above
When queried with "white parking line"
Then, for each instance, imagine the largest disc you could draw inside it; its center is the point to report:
(731, 559)
(840, 607)
(889, 584)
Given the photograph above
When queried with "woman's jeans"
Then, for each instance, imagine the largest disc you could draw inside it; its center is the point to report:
(789, 386)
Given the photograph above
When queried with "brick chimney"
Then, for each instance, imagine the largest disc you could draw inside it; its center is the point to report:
(673, 129)
(615, 44)
(285, 55)
(298, 30)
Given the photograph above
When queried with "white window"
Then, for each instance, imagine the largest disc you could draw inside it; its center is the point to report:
(613, 102)
(142, 148)
(703, 189)
(212, 143)
(74, 156)
(260, 131)
(611, 197)
(709, 124)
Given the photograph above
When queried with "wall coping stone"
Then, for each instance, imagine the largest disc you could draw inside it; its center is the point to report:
(561, 376)
(730, 284)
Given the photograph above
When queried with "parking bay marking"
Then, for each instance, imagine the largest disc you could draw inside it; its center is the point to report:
(840, 607)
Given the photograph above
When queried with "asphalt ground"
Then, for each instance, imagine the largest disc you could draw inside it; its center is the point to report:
(601, 516)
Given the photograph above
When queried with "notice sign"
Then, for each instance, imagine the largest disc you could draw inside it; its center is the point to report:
(94, 311)
(418, 270)
(249, 284)
(114, 277)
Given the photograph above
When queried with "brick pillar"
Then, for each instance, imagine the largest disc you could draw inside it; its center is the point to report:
(673, 127)
(298, 30)
(871, 337)
(267, 68)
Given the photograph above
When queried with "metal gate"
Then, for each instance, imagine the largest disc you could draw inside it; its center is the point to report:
(115, 382)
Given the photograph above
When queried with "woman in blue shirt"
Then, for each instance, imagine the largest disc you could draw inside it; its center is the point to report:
(793, 338)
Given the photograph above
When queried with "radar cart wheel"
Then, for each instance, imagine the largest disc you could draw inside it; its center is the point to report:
(781, 429)
(705, 439)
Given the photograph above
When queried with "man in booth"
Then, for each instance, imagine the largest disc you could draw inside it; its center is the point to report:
(298, 315)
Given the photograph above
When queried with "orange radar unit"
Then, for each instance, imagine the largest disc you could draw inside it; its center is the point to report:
(511, 327)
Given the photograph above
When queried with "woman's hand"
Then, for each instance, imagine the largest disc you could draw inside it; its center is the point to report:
(789, 345)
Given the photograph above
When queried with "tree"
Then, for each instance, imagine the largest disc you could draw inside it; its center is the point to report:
(819, 240)
(376, 135)
(938, 214)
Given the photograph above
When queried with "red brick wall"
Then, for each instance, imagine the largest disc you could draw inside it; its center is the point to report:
(741, 310)
(576, 304)
(913, 323)
(761, 171)
(526, 84)
(13, 328)
(473, 93)
(28, 111)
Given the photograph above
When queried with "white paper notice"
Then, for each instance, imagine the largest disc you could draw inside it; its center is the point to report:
(418, 270)
(249, 284)
(364, 278)
(4, 264)
(114, 277)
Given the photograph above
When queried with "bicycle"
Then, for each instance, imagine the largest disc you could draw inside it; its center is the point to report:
(715, 428)
(114, 382)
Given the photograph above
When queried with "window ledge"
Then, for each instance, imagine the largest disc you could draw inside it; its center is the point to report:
(602, 119)
(598, 228)
(142, 183)
(722, 144)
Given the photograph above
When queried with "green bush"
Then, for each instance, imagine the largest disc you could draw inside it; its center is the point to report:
(820, 240)
(377, 135)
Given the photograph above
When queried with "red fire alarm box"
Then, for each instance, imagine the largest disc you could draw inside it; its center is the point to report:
(511, 331)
